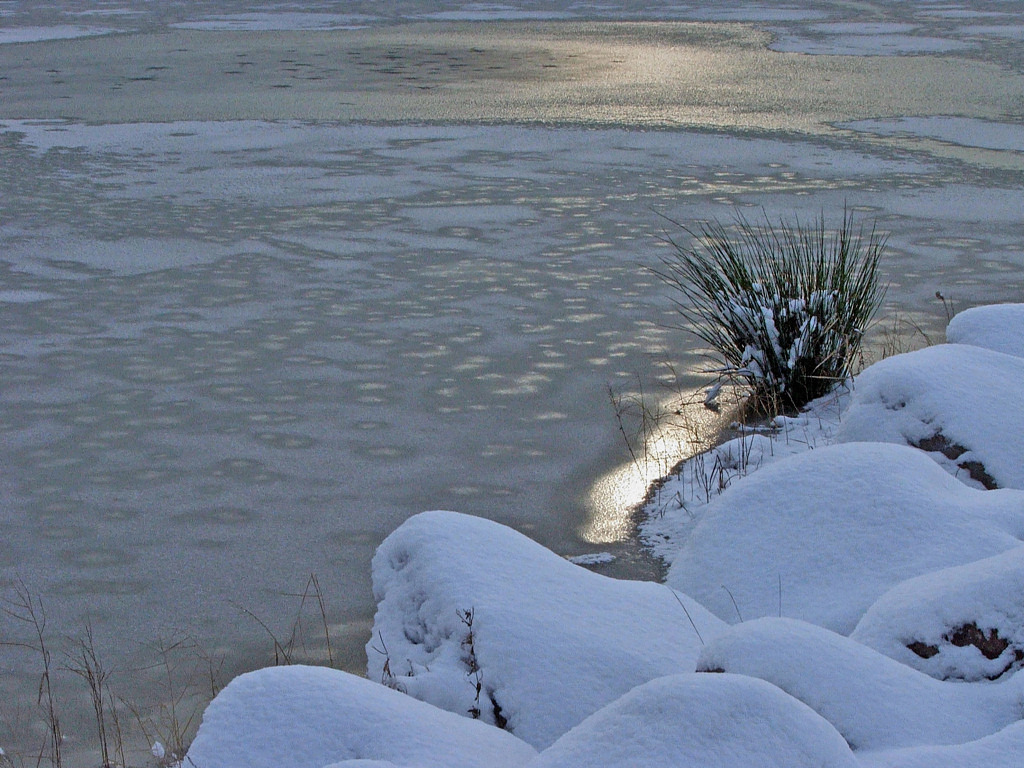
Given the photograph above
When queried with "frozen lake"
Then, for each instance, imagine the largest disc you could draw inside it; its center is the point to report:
(272, 282)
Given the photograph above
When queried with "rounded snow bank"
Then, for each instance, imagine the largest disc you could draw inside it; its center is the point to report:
(309, 717)
(999, 327)
(1000, 750)
(965, 623)
(961, 402)
(820, 536)
(480, 620)
(712, 721)
(873, 701)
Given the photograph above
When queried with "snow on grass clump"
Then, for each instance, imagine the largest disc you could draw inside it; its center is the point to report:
(783, 308)
(999, 327)
(465, 602)
(961, 402)
(962, 623)
(308, 717)
(712, 721)
(873, 701)
(821, 535)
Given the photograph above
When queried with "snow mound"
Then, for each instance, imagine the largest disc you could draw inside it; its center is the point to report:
(965, 623)
(820, 536)
(959, 401)
(1000, 750)
(480, 620)
(714, 721)
(309, 717)
(999, 327)
(873, 701)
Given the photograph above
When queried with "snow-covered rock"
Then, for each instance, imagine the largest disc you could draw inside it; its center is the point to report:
(873, 701)
(961, 402)
(996, 326)
(1000, 750)
(963, 623)
(820, 536)
(464, 601)
(712, 721)
(309, 717)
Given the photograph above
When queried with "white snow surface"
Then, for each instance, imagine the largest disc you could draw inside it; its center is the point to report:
(930, 609)
(553, 641)
(965, 395)
(1000, 750)
(821, 535)
(873, 701)
(999, 327)
(712, 721)
(309, 717)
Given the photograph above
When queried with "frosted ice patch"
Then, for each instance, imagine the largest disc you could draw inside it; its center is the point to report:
(24, 296)
(1012, 31)
(965, 131)
(594, 558)
(59, 32)
(277, 22)
(869, 44)
(482, 12)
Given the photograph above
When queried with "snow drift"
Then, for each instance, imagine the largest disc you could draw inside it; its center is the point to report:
(551, 642)
(820, 536)
(309, 717)
(712, 721)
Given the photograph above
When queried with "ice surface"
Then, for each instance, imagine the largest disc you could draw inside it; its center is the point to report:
(713, 721)
(463, 601)
(873, 701)
(308, 717)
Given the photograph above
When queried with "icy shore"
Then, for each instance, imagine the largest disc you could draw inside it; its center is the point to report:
(871, 581)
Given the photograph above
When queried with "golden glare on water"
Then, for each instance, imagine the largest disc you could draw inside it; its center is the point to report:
(684, 431)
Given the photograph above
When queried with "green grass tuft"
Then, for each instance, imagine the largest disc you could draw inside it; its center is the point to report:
(783, 308)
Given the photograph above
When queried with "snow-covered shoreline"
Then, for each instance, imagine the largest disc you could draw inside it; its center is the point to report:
(859, 594)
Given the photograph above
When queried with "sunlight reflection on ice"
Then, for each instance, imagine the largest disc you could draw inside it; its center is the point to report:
(690, 429)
